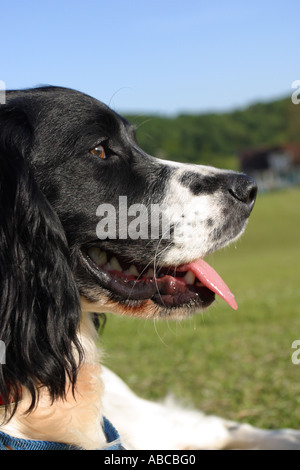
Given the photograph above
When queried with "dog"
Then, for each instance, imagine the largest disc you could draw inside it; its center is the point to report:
(90, 223)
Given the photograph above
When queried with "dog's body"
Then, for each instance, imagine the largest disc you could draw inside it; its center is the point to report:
(65, 161)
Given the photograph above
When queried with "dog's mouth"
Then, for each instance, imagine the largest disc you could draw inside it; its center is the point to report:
(190, 285)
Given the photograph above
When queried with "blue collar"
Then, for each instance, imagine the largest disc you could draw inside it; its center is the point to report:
(13, 443)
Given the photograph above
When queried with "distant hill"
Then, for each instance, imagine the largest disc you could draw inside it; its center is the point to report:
(215, 139)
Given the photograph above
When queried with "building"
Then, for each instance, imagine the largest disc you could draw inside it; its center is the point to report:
(273, 167)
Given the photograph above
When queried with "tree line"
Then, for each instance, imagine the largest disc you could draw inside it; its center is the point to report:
(216, 138)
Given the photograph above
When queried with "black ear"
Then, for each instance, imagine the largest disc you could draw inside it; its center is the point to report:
(39, 301)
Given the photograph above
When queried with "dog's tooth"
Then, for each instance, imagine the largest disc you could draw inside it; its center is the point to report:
(102, 258)
(115, 265)
(150, 272)
(189, 277)
(133, 270)
(98, 256)
(94, 252)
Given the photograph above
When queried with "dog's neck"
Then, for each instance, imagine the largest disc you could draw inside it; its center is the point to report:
(75, 420)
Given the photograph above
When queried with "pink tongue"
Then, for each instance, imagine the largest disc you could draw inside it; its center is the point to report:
(210, 279)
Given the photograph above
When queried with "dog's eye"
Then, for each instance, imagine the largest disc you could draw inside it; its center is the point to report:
(99, 152)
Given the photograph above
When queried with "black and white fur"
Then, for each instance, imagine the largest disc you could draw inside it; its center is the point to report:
(51, 184)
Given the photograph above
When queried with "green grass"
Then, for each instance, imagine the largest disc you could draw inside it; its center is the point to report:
(236, 364)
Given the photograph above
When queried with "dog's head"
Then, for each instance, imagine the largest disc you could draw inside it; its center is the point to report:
(131, 221)
(85, 211)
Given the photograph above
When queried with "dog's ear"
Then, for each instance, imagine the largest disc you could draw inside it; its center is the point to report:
(39, 301)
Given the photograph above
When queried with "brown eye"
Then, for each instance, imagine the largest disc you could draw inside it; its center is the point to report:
(99, 152)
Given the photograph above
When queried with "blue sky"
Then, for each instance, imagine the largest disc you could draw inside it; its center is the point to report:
(159, 56)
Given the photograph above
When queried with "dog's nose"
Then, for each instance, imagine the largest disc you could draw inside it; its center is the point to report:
(243, 188)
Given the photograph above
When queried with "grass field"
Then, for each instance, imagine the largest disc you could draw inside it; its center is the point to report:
(236, 364)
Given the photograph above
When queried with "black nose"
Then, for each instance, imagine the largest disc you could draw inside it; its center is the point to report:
(243, 188)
